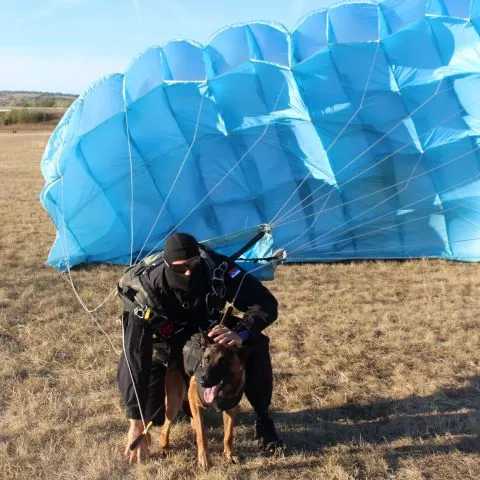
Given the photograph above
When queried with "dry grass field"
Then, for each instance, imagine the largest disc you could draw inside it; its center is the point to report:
(377, 365)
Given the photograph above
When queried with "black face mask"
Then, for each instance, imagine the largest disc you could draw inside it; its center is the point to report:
(192, 285)
(182, 246)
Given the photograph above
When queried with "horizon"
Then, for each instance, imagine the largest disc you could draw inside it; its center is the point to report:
(54, 55)
(40, 92)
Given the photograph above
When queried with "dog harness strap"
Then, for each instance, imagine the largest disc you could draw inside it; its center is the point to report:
(192, 356)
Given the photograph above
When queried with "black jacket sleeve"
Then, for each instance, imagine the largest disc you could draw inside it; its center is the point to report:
(250, 296)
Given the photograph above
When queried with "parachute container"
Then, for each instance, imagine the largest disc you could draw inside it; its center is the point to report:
(354, 136)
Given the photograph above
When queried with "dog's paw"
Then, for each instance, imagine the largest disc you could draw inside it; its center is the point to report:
(164, 452)
(204, 463)
(164, 442)
(234, 460)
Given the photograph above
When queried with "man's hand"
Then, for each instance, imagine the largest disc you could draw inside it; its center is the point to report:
(141, 452)
(225, 336)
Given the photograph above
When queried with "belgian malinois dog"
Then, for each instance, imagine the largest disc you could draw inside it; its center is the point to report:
(217, 380)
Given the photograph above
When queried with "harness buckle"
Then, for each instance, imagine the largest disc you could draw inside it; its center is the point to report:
(218, 280)
(145, 313)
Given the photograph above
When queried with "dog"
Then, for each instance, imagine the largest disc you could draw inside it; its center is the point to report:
(216, 379)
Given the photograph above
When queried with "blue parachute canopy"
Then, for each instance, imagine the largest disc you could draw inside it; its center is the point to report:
(356, 135)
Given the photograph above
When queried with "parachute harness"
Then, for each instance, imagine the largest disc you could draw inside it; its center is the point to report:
(214, 299)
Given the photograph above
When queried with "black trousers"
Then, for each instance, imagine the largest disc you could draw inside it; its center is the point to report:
(258, 380)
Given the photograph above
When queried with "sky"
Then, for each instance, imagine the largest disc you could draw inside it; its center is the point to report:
(64, 45)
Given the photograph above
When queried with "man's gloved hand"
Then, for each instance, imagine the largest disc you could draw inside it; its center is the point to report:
(141, 452)
(225, 336)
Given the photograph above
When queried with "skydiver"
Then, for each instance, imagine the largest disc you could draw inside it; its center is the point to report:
(186, 302)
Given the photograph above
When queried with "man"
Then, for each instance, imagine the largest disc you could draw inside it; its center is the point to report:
(189, 292)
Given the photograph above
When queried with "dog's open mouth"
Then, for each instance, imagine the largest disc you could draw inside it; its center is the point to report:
(211, 393)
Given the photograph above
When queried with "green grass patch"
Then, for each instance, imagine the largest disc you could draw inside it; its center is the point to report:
(14, 117)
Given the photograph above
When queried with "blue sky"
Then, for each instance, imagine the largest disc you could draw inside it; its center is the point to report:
(64, 45)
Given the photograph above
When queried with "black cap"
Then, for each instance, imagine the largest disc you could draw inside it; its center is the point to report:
(180, 246)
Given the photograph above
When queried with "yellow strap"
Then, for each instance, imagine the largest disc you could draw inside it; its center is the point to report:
(228, 311)
(148, 427)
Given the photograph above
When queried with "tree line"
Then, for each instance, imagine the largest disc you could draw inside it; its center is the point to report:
(14, 117)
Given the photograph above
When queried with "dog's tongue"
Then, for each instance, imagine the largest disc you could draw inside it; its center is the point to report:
(210, 394)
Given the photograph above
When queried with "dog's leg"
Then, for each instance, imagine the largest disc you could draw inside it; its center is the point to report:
(197, 424)
(228, 422)
(174, 395)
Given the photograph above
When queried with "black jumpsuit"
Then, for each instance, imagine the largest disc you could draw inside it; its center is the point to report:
(149, 351)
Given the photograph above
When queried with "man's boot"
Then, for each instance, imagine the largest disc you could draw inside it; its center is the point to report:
(266, 435)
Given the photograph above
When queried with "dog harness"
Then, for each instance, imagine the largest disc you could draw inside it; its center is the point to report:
(192, 361)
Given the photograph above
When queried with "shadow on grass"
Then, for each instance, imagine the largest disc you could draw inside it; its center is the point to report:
(452, 413)
(414, 427)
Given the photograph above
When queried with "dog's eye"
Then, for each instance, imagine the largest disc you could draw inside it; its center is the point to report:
(222, 362)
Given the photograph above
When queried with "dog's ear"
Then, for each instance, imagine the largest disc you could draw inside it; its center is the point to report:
(204, 340)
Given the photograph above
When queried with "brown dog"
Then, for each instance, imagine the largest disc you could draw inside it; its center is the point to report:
(217, 381)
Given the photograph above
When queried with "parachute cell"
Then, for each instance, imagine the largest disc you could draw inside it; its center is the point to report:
(356, 135)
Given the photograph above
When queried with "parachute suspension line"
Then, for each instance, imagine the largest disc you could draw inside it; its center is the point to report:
(459, 184)
(417, 176)
(69, 278)
(468, 21)
(322, 210)
(363, 197)
(127, 361)
(131, 178)
(360, 155)
(316, 216)
(373, 207)
(378, 230)
(405, 206)
(406, 222)
(243, 278)
(235, 165)
(105, 300)
(410, 245)
(63, 244)
(175, 180)
(301, 204)
(357, 111)
(283, 221)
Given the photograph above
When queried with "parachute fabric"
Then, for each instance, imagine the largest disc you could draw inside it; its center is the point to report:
(356, 135)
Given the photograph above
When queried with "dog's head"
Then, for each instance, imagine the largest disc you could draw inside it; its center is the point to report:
(221, 371)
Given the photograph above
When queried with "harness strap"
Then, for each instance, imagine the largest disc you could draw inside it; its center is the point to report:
(248, 245)
(218, 277)
(215, 300)
(218, 280)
